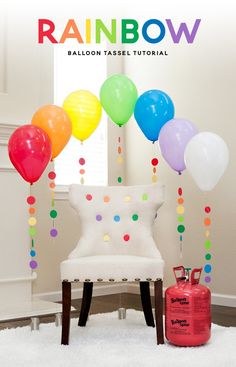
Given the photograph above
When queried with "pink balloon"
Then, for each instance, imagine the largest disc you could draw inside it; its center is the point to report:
(173, 138)
(30, 151)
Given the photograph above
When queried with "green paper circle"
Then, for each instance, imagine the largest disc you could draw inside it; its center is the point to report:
(145, 197)
(208, 257)
(135, 217)
(53, 213)
(207, 244)
(32, 231)
(180, 219)
(119, 179)
(181, 228)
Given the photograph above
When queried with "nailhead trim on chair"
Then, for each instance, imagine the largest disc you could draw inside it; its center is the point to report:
(111, 280)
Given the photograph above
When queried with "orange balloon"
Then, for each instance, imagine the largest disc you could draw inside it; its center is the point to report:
(56, 123)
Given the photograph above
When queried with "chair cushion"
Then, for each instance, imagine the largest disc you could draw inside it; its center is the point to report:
(116, 220)
(115, 268)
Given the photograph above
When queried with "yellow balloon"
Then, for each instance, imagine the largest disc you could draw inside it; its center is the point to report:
(85, 111)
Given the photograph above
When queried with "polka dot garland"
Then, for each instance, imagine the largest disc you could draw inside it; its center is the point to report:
(180, 218)
(53, 212)
(154, 163)
(82, 170)
(119, 159)
(207, 244)
(31, 200)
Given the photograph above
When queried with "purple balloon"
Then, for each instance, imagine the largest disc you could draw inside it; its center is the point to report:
(173, 138)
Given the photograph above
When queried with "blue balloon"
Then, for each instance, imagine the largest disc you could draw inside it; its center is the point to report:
(152, 110)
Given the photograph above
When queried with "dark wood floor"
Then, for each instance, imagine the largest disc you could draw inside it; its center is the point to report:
(225, 316)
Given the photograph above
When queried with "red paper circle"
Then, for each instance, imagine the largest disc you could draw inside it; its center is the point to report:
(31, 200)
(89, 197)
(180, 191)
(81, 161)
(52, 175)
(126, 237)
(154, 161)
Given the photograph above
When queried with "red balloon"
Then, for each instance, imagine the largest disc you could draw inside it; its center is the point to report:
(30, 151)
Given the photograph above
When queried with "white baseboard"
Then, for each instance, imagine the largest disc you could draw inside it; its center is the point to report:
(216, 298)
(98, 290)
(104, 290)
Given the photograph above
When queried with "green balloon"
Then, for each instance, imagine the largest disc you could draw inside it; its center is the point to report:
(118, 96)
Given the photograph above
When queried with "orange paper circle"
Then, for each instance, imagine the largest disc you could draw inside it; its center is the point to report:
(31, 210)
(207, 221)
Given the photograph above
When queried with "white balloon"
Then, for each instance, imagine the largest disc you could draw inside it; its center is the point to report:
(206, 158)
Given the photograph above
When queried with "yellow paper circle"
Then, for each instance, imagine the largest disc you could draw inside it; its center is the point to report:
(207, 233)
(119, 160)
(154, 178)
(127, 198)
(180, 209)
(106, 237)
(32, 221)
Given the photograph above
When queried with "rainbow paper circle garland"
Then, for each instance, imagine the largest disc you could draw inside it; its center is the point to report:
(82, 170)
(31, 201)
(180, 218)
(53, 212)
(154, 163)
(207, 222)
(119, 159)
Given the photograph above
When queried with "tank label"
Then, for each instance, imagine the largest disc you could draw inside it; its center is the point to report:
(181, 301)
(179, 322)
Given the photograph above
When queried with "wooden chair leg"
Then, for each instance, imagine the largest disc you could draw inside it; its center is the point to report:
(66, 306)
(159, 311)
(146, 303)
(86, 302)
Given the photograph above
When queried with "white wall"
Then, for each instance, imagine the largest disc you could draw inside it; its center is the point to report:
(22, 90)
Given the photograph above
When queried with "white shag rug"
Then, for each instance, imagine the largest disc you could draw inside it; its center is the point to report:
(107, 341)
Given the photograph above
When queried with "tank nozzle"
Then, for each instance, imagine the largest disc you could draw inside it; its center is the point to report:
(187, 273)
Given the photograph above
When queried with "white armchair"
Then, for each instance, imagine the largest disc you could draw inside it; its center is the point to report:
(116, 245)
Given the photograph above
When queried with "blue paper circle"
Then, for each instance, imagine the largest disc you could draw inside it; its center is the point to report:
(207, 268)
(116, 218)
